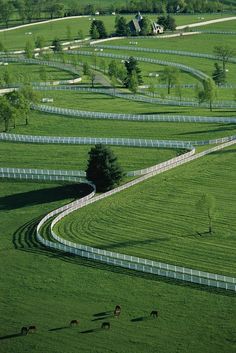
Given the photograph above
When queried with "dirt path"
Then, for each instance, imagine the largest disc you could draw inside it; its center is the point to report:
(224, 19)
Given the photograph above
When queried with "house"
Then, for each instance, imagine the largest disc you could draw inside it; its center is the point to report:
(135, 26)
(156, 28)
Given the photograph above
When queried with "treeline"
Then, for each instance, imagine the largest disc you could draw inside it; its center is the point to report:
(32, 10)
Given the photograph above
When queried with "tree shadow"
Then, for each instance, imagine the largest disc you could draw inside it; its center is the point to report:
(59, 328)
(43, 196)
(104, 313)
(92, 330)
(11, 336)
(141, 318)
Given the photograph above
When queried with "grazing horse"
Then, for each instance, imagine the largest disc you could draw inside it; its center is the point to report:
(32, 329)
(154, 313)
(74, 323)
(106, 325)
(117, 311)
(24, 331)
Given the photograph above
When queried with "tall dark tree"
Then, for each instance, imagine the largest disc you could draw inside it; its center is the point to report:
(131, 66)
(103, 168)
(121, 26)
(56, 44)
(146, 26)
(6, 112)
(6, 11)
(218, 75)
(98, 30)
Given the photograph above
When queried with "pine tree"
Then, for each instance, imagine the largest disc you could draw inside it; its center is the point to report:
(218, 75)
(131, 67)
(103, 169)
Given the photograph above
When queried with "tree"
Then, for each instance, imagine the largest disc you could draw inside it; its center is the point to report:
(131, 66)
(39, 42)
(218, 75)
(167, 22)
(208, 93)
(29, 96)
(103, 168)
(86, 69)
(6, 112)
(208, 206)
(146, 26)
(133, 82)
(97, 30)
(224, 53)
(55, 9)
(7, 78)
(29, 50)
(170, 76)
(113, 69)
(92, 77)
(6, 12)
(57, 48)
(121, 26)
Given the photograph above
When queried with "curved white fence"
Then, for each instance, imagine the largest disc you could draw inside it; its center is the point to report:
(132, 117)
(132, 262)
(201, 75)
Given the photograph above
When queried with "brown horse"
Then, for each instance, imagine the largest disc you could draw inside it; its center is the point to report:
(32, 329)
(117, 311)
(74, 323)
(154, 313)
(24, 331)
(106, 325)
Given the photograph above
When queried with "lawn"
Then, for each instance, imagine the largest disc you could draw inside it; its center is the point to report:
(49, 289)
(75, 157)
(166, 222)
(25, 73)
(16, 39)
(54, 125)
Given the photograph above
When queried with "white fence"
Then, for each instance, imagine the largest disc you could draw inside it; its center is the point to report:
(140, 98)
(54, 64)
(132, 117)
(161, 51)
(182, 67)
(132, 262)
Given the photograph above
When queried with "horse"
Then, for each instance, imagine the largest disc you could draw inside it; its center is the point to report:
(32, 329)
(117, 311)
(24, 331)
(106, 325)
(74, 323)
(154, 313)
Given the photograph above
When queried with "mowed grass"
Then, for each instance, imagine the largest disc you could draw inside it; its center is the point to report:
(20, 73)
(69, 157)
(197, 43)
(54, 125)
(49, 289)
(165, 221)
(16, 39)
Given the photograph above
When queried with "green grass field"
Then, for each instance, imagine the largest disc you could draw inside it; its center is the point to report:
(17, 39)
(76, 157)
(48, 289)
(20, 73)
(165, 219)
(158, 219)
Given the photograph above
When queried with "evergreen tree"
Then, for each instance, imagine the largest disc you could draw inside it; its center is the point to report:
(97, 30)
(121, 26)
(56, 45)
(218, 75)
(146, 26)
(131, 67)
(103, 169)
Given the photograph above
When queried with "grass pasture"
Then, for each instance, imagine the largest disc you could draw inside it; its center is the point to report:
(165, 222)
(159, 219)
(49, 289)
